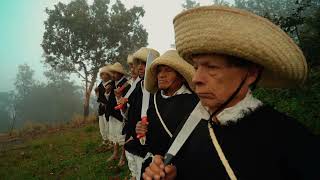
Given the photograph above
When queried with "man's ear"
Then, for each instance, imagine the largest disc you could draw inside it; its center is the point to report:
(254, 73)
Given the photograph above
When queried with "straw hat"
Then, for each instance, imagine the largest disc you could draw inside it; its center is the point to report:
(234, 32)
(142, 54)
(105, 69)
(130, 59)
(117, 67)
(172, 59)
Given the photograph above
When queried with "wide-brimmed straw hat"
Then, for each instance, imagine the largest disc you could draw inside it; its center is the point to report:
(105, 69)
(117, 67)
(172, 59)
(130, 59)
(142, 54)
(235, 32)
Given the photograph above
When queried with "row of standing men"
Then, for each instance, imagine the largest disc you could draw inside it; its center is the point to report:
(172, 100)
(237, 136)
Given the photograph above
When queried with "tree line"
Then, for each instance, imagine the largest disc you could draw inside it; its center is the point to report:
(55, 100)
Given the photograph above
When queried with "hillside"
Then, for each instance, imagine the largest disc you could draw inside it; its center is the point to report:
(71, 153)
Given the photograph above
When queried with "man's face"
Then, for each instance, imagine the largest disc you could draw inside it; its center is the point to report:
(141, 68)
(116, 76)
(215, 80)
(168, 78)
(133, 71)
(105, 76)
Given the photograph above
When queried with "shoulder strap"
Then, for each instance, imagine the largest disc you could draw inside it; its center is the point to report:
(221, 155)
(159, 115)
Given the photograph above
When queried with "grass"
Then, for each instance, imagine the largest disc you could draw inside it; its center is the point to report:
(66, 154)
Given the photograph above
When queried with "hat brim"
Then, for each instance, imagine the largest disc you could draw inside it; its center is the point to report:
(234, 32)
(184, 69)
(142, 54)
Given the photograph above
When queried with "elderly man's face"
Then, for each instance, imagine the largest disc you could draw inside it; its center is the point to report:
(215, 80)
(168, 78)
(133, 70)
(117, 76)
(105, 76)
(141, 68)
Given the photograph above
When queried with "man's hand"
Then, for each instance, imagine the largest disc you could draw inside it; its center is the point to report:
(122, 100)
(157, 170)
(96, 90)
(118, 93)
(141, 128)
(108, 88)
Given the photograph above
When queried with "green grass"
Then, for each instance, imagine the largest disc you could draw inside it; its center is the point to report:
(69, 154)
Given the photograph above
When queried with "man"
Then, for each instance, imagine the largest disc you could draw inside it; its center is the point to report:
(133, 69)
(130, 157)
(169, 77)
(121, 86)
(135, 152)
(232, 51)
(105, 76)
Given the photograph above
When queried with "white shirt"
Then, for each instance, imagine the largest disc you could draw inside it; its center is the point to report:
(104, 85)
(183, 90)
(117, 82)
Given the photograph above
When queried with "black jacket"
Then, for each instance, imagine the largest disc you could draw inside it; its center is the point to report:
(174, 111)
(265, 144)
(102, 100)
(112, 101)
(134, 115)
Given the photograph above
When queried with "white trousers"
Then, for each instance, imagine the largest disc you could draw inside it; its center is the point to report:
(115, 131)
(104, 127)
(134, 164)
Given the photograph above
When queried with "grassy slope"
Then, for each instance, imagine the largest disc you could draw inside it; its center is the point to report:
(69, 154)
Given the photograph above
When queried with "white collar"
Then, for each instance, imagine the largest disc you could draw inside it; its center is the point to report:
(117, 82)
(238, 111)
(105, 83)
(183, 90)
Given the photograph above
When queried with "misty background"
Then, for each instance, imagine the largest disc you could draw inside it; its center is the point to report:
(51, 51)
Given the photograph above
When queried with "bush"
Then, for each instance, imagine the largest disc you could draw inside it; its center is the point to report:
(78, 120)
(301, 103)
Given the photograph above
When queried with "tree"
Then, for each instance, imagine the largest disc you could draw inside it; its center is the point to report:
(55, 100)
(4, 113)
(24, 84)
(288, 14)
(24, 80)
(298, 18)
(188, 4)
(220, 2)
(81, 38)
(310, 38)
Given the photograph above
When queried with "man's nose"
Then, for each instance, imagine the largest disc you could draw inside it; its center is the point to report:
(199, 76)
(161, 74)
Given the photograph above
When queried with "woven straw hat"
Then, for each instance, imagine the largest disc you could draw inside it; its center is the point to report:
(234, 32)
(130, 59)
(117, 67)
(172, 59)
(105, 69)
(142, 54)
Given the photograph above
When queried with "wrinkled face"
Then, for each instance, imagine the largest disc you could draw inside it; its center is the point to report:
(133, 70)
(141, 68)
(215, 80)
(168, 78)
(105, 76)
(116, 76)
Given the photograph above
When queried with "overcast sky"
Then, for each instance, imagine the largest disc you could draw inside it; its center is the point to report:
(21, 31)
